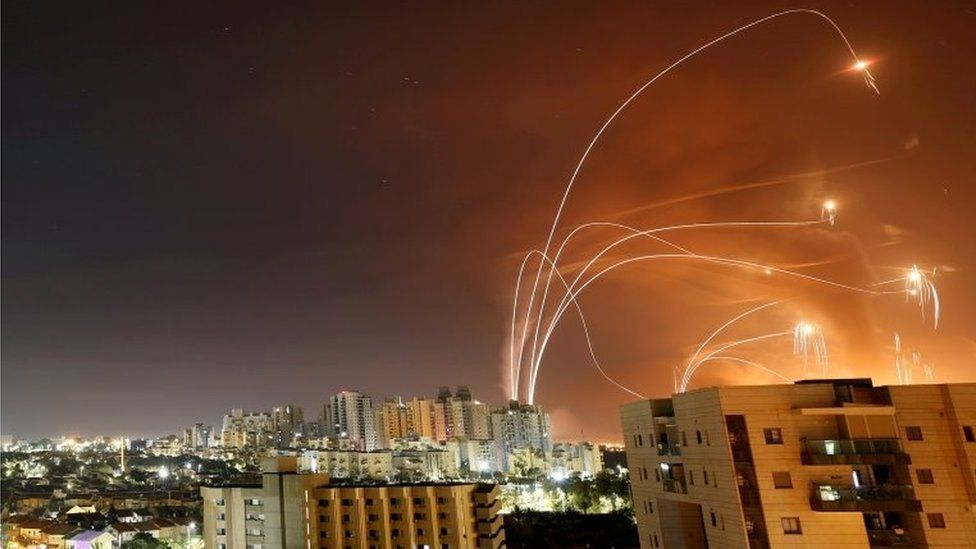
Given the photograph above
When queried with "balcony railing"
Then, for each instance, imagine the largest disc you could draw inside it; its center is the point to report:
(889, 538)
(669, 449)
(886, 497)
(854, 451)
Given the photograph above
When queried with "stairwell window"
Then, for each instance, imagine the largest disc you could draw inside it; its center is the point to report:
(791, 526)
(936, 520)
(968, 433)
(925, 476)
(913, 433)
(782, 480)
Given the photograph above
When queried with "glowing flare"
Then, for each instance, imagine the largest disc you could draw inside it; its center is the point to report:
(860, 65)
(919, 288)
(536, 356)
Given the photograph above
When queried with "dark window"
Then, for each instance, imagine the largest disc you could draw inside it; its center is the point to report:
(420, 531)
(684, 439)
(419, 516)
(345, 518)
(394, 501)
(323, 518)
(443, 531)
(441, 500)
(691, 477)
(369, 501)
(714, 520)
(650, 506)
(418, 501)
(782, 479)
(705, 477)
(347, 502)
(655, 541)
(967, 432)
(791, 526)
(324, 502)
(442, 516)
(657, 474)
(707, 442)
(924, 476)
(913, 433)
(373, 517)
(936, 520)
(773, 435)
(395, 516)
(640, 440)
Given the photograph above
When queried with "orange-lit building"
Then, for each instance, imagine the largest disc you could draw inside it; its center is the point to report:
(822, 463)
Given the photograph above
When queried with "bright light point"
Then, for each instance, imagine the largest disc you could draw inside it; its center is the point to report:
(767, 272)
(830, 205)
(163, 472)
(914, 275)
(860, 65)
(807, 329)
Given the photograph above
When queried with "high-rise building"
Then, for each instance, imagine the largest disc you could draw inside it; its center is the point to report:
(820, 463)
(391, 422)
(350, 416)
(459, 415)
(420, 417)
(287, 425)
(292, 510)
(246, 430)
(519, 426)
(198, 436)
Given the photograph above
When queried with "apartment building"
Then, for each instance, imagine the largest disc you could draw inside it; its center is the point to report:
(292, 510)
(820, 463)
(406, 516)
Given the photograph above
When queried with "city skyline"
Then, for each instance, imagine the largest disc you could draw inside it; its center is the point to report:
(245, 209)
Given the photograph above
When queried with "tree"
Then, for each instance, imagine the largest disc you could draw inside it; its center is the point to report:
(143, 540)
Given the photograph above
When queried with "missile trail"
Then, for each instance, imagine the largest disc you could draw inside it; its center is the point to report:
(579, 165)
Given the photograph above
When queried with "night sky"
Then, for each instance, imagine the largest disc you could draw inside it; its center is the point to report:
(214, 206)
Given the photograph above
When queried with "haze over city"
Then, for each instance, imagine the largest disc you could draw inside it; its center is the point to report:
(239, 206)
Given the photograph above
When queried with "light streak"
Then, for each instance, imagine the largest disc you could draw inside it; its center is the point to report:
(690, 373)
(579, 165)
(710, 259)
(535, 357)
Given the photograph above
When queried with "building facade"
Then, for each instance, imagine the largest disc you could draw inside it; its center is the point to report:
(349, 415)
(301, 510)
(832, 463)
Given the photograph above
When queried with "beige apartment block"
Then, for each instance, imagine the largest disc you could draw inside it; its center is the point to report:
(820, 463)
(292, 510)
(405, 516)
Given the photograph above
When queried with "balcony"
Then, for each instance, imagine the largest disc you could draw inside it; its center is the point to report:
(675, 486)
(854, 451)
(669, 449)
(865, 499)
(890, 538)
